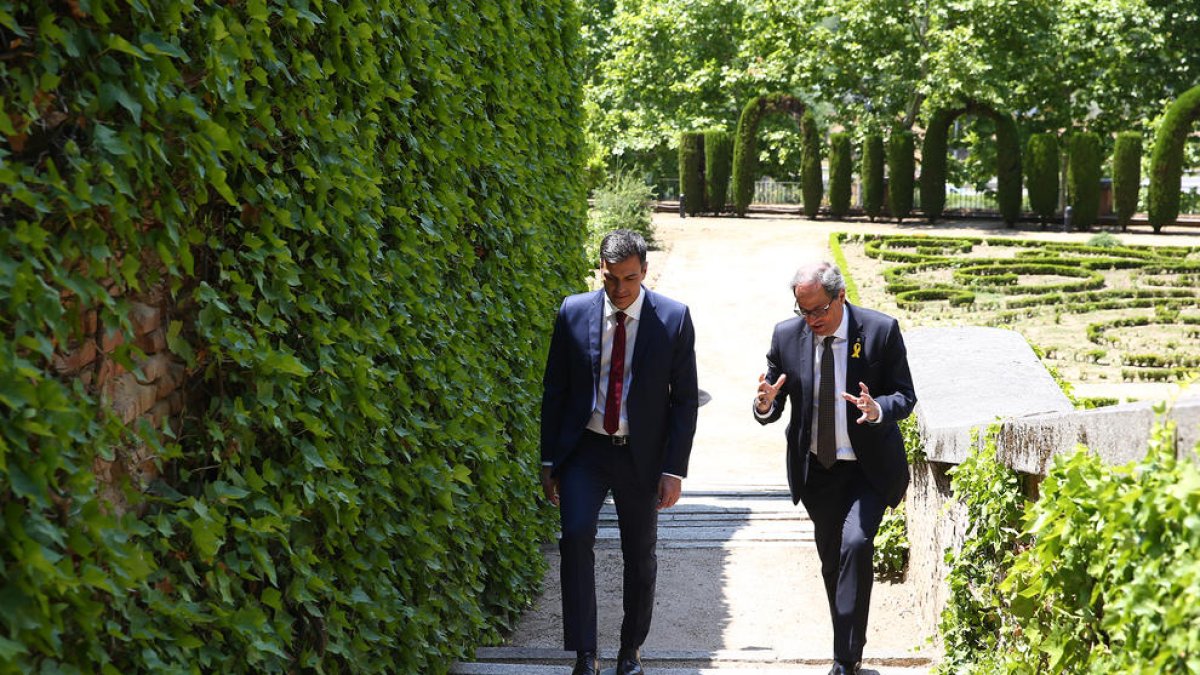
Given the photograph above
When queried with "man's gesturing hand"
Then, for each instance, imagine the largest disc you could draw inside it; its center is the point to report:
(669, 488)
(767, 393)
(866, 404)
(549, 486)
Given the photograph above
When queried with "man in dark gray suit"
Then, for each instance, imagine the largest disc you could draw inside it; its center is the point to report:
(845, 453)
(618, 413)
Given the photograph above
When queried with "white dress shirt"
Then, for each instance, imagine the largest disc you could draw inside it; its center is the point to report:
(840, 341)
(633, 315)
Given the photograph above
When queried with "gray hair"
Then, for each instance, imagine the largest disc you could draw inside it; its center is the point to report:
(824, 273)
(620, 244)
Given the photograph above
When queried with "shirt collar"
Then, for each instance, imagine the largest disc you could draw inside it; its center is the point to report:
(843, 329)
(633, 311)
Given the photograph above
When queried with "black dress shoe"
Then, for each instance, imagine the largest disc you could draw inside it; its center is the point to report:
(840, 668)
(629, 662)
(586, 663)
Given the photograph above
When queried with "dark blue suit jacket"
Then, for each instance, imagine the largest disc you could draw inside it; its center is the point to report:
(882, 363)
(662, 400)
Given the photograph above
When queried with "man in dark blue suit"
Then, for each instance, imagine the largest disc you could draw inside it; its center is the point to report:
(618, 413)
(845, 453)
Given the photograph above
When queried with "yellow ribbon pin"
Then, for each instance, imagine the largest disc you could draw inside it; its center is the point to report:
(857, 350)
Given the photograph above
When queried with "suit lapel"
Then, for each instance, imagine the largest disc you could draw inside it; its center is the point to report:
(806, 365)
(595, 327)
(648, 324)
(856, 356)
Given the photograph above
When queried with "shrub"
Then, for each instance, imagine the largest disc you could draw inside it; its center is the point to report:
(622, 203)
(718, 165)
(1126, 176)
(811, 181)
(872, 175)
(841, 169)
(691, 171)
(1008, 167)
(1083, 178)
(1166, 161)
(1041, 175)
(933, 163)
(900, 173)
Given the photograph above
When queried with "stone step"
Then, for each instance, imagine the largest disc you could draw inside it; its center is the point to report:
(534, 661)
(713, 519)
(528, 669)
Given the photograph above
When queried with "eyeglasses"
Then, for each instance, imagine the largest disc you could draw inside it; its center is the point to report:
(813, 313)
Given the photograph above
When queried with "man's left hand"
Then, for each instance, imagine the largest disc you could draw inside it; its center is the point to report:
(669, 489)
(865, 404)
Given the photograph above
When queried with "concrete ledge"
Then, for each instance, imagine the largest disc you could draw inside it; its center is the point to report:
(1118, 434)
(966, 378)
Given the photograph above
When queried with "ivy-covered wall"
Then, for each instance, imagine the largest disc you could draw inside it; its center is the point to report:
(359, 219)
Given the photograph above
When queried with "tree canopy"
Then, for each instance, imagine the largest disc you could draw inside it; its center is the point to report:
(666, 66)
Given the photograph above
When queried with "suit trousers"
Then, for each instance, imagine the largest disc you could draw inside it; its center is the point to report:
(846, 512)
(585, 479)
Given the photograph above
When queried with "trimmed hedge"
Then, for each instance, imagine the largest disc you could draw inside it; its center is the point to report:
(1008, 167)
(1166, 161)
(1041, 175)
(901, 167)
(745, 148)
(872, 175)
(364, 215)
(1083, 178)
(812, 184)
(933, 163)
(691, 171)
(841, 170)
(1126, 175)
(718, 164)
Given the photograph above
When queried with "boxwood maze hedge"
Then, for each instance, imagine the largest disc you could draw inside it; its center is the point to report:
(1008, 280)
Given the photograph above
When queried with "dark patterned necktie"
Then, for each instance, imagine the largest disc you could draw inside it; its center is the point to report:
(826, 410)
(616, 378)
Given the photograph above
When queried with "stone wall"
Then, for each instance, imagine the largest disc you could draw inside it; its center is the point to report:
(968, 378)
(152, 391)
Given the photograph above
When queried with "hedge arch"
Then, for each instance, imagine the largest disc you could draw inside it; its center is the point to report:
(900, 173)
(745, 143)
(841, 169)
(691, 171)
(1008, 161)
(1126, 175)
(872, 175)
(1166, 161)
(718, 163)
(1041, 175)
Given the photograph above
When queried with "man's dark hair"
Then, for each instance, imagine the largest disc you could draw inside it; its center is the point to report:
(620, 244)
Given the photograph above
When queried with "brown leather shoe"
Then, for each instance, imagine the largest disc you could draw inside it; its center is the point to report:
(586, 663)
(629, 662)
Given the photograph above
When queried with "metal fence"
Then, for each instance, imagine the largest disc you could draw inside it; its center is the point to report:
(964, 199)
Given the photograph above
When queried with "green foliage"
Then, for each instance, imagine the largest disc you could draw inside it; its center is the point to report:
(891, 542)
(621, 203)
(1106, 585)
(691, 171)
(745, 148)
(1166, 161)
(346, 204)
(1041, 174)
(1104, 240)
(972, 621)
(1083, 178)
(718, 165)
(933, 163)
(811, 181)
(872, 175)
(901, 167)
(841, 169)
(839, 259)
(1126, 175)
